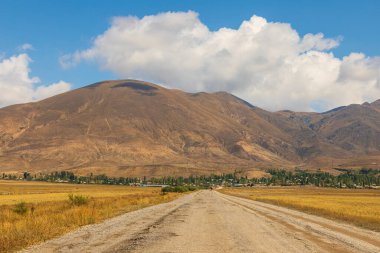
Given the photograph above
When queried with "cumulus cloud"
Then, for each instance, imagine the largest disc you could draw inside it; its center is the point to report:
(269, 64)
(17, 86)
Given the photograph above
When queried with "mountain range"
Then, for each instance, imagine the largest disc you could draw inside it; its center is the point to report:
(136, 128)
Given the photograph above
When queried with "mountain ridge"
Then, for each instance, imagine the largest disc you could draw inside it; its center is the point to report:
(135, 128)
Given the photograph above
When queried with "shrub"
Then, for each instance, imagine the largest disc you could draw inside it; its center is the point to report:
(178, 188)
(167, 189)
(78, 200)
(192, 188)
(21, 208)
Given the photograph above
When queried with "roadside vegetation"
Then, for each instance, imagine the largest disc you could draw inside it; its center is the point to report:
(358, 207)
(32, 212)
(178, 188)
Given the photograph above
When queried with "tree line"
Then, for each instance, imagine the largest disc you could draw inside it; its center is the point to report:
(363, 178)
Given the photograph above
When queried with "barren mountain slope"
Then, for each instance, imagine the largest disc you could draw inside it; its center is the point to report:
(123, 125)
(353, 133)
(136, 128)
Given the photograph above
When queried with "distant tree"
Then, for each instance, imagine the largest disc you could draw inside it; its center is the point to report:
(27, 176)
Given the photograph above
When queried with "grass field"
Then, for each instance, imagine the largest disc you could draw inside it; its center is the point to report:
(47, 211)
(359, 207)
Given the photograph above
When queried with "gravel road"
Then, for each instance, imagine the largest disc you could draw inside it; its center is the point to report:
(208, 221)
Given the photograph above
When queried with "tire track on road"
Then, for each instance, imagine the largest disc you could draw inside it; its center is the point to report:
(339, 239)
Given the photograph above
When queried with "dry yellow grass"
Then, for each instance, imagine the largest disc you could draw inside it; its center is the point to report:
(359, 207)
(50, 213)
(13, 192)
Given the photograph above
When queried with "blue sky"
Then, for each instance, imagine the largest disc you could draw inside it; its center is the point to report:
(57, 28)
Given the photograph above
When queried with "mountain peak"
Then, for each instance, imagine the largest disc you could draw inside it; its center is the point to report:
(127, 83)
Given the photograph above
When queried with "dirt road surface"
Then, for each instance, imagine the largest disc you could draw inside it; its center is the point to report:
(208, 221)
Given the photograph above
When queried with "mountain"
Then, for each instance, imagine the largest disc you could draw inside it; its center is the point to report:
(135, 128)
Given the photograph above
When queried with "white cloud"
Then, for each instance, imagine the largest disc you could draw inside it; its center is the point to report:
(25, 47)
(268, 64)
(43, 91)
(17, 86)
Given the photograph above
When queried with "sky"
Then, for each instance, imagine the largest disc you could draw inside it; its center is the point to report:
(300, 55)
